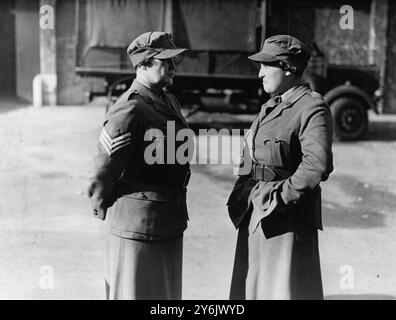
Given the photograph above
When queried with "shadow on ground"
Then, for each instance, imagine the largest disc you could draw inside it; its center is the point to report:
(360, 297)
(368, 205)
(9, 103)
(221, 175)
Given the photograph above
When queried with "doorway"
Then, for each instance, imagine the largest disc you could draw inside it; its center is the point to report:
(7, 47)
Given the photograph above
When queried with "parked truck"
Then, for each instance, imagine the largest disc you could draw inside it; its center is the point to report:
(215, 75)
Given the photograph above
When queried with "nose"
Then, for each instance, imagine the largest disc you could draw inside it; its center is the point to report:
(261, 72)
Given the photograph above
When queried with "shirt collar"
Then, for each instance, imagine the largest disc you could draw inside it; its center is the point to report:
(289, 93)
(158, 92)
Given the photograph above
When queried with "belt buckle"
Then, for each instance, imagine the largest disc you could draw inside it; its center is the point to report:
(268, 174)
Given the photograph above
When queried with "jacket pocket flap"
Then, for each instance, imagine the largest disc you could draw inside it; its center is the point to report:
(274, 140)
(150, 196)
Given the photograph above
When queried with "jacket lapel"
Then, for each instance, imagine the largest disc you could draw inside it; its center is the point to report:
(163, 107)
(175, 106)
(296, 95)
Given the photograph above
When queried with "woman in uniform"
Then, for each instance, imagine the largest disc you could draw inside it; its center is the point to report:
(276, 202)
(143, 201)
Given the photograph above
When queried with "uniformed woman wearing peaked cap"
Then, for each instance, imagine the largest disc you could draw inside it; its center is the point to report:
(143, 203)
(276, 202)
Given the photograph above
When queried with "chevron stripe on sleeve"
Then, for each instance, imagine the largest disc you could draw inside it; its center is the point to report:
(112, 145)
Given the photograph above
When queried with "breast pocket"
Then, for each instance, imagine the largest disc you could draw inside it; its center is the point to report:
(147, 212)
(276, 151)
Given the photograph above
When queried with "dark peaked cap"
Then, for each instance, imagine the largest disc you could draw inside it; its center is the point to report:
(152, 44)
(283, 48)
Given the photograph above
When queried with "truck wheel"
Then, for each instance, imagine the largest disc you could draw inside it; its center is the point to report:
(350, 118)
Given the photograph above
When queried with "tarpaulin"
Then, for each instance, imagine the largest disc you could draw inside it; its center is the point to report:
(228, 25)
(114, 24)
(222, 25)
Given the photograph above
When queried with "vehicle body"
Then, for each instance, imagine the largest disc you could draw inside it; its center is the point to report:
(218, 77)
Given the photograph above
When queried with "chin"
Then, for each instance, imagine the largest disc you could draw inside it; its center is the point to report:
(168, 82)
(267, 89)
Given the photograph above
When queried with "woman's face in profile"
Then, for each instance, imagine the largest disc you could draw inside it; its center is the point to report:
(161, 72)
(273, 78)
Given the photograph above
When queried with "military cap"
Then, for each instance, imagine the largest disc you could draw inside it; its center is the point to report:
(152, 44)
(284, 48)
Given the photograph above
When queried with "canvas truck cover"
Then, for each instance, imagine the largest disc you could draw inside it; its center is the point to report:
(200, 25)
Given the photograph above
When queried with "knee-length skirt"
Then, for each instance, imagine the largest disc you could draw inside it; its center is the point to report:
(143, 270)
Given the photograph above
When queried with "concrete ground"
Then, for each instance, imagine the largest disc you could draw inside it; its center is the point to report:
(51, 246)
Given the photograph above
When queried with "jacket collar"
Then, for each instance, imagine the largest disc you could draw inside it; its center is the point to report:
(152, 97)
(288, 99)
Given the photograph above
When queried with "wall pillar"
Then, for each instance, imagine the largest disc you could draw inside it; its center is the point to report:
(48, 51)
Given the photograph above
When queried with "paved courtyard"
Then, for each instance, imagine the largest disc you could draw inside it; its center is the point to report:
(51, 247)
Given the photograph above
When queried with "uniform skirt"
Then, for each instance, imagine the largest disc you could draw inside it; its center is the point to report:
(143, 270)
(284, 267)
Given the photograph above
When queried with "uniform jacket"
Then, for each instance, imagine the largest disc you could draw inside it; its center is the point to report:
(146, 200)
(296, 136)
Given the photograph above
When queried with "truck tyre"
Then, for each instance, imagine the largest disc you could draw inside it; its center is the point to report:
(350, 118)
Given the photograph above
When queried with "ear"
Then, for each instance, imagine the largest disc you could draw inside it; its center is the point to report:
(288, 73)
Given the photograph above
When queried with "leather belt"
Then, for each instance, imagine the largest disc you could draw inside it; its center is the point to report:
(262, 172)
(173, 180)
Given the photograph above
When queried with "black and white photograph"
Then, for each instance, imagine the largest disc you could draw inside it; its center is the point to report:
(197, 150)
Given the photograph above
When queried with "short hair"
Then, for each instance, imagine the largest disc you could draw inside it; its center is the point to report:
(296, 70)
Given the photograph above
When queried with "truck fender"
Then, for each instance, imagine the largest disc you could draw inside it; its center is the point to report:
(353, 91)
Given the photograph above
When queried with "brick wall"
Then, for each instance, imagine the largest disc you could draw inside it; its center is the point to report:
(319, 21)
